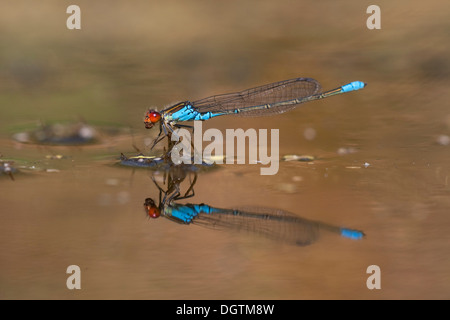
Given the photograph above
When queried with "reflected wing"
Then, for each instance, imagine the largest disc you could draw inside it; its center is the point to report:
(271, 223)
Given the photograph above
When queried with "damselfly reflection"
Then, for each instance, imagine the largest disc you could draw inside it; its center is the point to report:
(272, 223)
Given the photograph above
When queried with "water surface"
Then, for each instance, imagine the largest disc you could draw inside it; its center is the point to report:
(380, 154)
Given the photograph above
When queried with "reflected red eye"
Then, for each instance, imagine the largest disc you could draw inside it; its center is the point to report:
(151, 117)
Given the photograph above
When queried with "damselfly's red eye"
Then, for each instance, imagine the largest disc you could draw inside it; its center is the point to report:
(151, 117)
(151, 209)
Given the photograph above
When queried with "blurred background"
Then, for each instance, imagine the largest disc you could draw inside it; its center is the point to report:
(74, 205)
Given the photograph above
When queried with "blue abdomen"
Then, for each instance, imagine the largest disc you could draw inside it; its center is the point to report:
(190, 113)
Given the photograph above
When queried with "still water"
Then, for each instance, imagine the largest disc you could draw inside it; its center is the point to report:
(378, 158)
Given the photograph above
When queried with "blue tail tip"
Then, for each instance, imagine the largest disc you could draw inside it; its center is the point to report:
(352, 234)
(352, 86)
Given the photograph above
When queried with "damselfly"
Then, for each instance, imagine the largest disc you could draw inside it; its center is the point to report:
(270, 99)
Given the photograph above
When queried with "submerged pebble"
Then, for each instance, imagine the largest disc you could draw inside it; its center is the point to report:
(346, 150)
(286, 187)
(294, 157)
(59, 134)
(443, 140)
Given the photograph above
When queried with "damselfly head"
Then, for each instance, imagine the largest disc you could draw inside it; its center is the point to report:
(151, 209)
(151, 117)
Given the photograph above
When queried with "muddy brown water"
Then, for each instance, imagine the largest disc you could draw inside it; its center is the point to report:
(381, 154)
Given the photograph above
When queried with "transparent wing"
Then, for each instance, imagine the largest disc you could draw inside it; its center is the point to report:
(266, 94)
